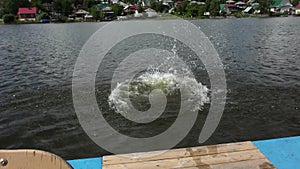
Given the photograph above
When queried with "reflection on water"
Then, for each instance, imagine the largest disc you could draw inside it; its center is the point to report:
(261, 59)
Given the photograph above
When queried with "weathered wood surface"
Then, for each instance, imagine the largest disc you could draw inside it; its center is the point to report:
(243, 155)
(32, 159)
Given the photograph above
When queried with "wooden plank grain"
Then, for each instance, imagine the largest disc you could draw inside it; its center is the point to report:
(248, 164)
(32, 159)
(178, 153)
(192, 161)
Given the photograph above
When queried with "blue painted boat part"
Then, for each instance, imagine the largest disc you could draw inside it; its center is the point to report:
(283, 153)
(88, 163)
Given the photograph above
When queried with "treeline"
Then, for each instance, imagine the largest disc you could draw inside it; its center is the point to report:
(197, 9)
(65, 7)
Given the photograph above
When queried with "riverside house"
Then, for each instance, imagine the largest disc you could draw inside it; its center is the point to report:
(297, 12)
(281, 6)
(27, 14)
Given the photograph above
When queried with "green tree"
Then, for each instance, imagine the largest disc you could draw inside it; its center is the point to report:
(264, 6)
(1, 3)
(2, 12)
(182, 9)
(63, 7)
(214, 7)
(129, 1)
(179, 10)
(185, 4)
(295, 2)
(195, 10)
(76, 2)
(43, 16)
(8, 18)
(117, 8)
(45, 1)
(38, 4)
(87, 4)
(12, 6)
(97, 14)
(157, 6)
(153, 4)
(140, 9)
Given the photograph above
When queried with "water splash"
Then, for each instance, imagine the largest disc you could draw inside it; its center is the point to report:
(139, 89)
(169, 76)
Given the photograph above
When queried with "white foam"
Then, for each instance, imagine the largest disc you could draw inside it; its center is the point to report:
(195, 93)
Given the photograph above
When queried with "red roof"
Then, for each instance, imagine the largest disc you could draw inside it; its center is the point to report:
(27, 10)
(178, 3)
(133, 8)
(231, 5)
(298, 6)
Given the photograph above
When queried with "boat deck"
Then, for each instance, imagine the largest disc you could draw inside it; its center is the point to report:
(233, 155)
(283, 153)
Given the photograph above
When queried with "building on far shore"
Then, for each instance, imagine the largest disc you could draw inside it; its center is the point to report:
(81, 13)
(281, 6)
(297, 11)
(88, 18)
(27, 14)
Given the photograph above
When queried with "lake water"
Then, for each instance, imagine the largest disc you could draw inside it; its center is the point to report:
(261, 59)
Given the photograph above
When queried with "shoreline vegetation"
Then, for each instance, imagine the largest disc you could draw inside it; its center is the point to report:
(168, 17)
(68, 11)
(133, 19)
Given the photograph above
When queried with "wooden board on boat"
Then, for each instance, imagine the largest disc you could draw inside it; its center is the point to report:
(31, 159)
(243, 155)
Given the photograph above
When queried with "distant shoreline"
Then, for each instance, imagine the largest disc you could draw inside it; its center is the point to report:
(168, 17)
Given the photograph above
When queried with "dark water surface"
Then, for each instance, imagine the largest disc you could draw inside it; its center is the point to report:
(262, 66)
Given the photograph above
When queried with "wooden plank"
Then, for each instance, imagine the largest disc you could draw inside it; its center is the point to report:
(32, 159)
(249, 164)
(178, 153)
(193, 161)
